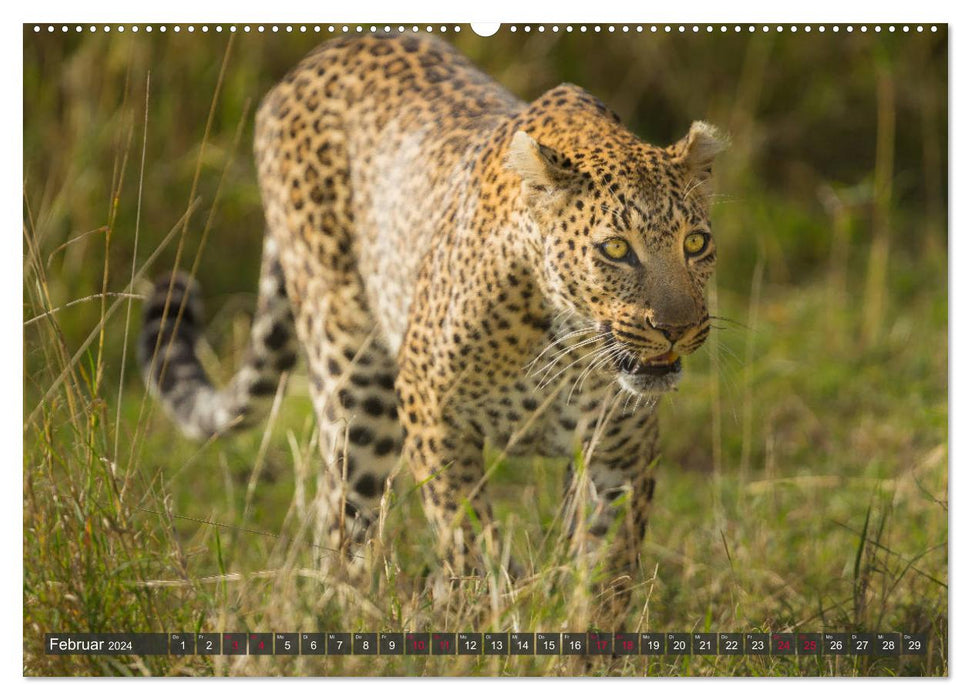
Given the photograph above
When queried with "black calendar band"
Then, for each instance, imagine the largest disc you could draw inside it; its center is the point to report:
(801, 644)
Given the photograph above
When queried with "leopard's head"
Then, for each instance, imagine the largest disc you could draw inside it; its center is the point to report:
(623, 234)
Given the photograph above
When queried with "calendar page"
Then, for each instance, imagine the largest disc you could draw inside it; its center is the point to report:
(516, 349)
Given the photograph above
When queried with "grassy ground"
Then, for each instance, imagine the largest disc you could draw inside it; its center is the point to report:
(804, 479)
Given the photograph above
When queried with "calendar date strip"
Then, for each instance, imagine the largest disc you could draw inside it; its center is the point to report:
(803, 644)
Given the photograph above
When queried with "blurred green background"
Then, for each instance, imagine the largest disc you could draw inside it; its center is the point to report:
(805, 473)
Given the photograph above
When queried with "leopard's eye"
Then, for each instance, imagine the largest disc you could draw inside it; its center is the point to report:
(615, 248)
(695, 242)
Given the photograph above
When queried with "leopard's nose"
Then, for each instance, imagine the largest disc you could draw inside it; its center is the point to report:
(673, 333)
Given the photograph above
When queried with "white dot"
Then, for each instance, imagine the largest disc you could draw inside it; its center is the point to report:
(920, 28)
(934, 28)
(163, 29)
(765, 29)
(569, 28)
(36, 28)
(863, 29)
(877, 29)
(681, 28)
(695, 29)
(527, 29)
(849, 28)
(822, 29)
(512, 28)
(541, 28)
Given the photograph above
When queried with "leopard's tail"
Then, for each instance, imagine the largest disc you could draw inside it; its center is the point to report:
(172, 325)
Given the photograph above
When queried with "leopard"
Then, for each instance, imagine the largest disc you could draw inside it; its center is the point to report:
(461, 271)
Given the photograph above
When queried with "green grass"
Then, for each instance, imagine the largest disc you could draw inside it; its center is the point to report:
(803, 485)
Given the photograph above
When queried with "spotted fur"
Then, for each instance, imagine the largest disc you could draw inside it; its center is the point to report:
(442, 247)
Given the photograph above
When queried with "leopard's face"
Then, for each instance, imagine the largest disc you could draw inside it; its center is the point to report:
(627, 250)
(642, 286)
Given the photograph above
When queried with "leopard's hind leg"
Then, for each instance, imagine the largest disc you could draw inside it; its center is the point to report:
(352, 386)
(305, 180)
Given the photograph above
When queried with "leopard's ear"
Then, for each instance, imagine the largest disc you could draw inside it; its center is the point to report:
(543, 170)
(699, 148)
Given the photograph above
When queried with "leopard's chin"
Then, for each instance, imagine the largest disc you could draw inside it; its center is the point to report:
(655, 375)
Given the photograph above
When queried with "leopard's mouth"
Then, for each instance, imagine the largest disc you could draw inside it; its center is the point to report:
(652, 375)
(657, 366)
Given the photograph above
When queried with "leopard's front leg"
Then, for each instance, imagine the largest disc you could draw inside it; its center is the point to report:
(444, 454)
(621, 468)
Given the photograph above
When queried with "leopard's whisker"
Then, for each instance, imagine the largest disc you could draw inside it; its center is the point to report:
(606, 355)
(610, 354)
(546, 382)
(567, 351)
(569, 347)
(692, 185)
(732, 321)
(557, 341)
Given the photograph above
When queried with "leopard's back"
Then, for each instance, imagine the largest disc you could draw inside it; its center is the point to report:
(381, 133)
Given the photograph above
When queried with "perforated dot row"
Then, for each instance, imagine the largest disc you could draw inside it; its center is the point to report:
(610, 28)
(271, 28)
(724, 28)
